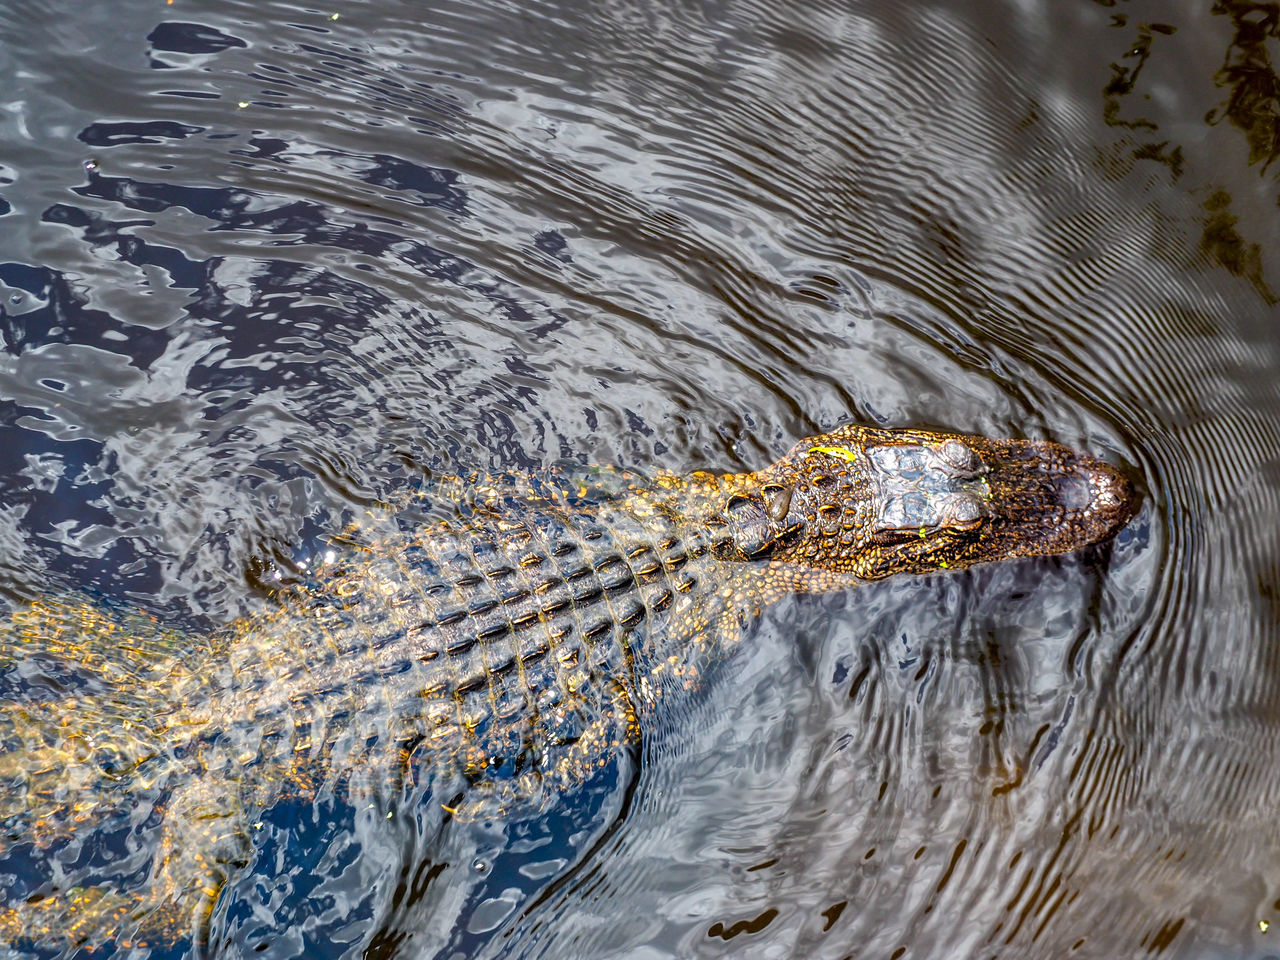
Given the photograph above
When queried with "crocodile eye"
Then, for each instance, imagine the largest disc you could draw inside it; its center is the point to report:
(963, 513)
(958, 455)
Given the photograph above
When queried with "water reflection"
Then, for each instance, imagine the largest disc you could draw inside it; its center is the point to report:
(261, 267)
(1247, 74)
(1250, 77)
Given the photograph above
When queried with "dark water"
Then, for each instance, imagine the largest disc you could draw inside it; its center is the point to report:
(263, 264)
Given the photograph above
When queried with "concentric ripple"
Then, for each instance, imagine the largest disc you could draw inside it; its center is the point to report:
(263, 265)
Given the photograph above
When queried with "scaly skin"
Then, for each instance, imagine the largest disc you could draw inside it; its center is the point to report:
(506, 651)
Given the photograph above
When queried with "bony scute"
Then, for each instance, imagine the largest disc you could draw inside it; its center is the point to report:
(497, 655)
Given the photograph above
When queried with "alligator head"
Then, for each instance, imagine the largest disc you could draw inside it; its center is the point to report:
(873, 503)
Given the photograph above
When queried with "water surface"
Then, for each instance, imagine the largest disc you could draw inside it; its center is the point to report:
(262, 265)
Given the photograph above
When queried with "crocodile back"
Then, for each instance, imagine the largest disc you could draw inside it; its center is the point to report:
(515, 650)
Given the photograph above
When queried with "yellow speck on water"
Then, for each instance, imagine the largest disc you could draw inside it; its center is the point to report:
(1263, 926)
(334, 17)
(922, 533)
(844, 453)
(242, 104)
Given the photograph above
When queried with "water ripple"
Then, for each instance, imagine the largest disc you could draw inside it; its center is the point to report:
(265, 265)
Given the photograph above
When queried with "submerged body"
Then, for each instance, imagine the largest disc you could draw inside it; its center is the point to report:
(507, 649)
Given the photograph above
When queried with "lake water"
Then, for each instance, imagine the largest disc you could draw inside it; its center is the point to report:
(264, 264)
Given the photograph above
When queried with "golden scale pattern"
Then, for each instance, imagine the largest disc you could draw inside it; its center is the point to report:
(506, 644)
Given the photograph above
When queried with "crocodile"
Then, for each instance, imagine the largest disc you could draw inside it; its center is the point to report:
(504, 636)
